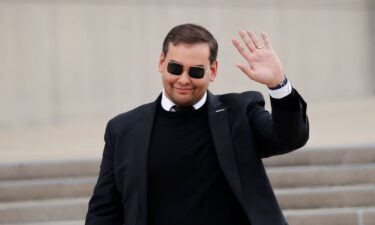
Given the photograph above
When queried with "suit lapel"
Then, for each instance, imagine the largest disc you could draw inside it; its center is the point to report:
(143, 136)
(219, 126)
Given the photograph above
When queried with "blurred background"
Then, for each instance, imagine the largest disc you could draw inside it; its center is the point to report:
(68, 66)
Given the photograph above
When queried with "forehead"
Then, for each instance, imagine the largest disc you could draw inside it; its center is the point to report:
(192, 54)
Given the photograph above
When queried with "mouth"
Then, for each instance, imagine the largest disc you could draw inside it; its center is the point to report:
(183, 89)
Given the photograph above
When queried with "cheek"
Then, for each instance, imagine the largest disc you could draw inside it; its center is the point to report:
(202, 84)
(168, 79)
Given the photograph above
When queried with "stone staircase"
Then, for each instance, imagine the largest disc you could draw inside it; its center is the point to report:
(326, 186)
(322, 186)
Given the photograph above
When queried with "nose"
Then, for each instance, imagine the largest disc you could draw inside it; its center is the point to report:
(184, 78)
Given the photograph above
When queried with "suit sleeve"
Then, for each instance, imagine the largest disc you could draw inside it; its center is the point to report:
(285, 130)
(105, 204)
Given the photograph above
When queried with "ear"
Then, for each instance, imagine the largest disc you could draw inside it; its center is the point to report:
(213, 71)
(161, 61)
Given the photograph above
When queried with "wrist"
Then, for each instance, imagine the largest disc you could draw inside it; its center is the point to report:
(279, 83)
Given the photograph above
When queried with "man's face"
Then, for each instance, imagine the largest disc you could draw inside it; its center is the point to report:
(182, 89)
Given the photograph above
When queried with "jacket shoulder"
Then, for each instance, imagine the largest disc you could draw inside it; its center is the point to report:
(132, 117)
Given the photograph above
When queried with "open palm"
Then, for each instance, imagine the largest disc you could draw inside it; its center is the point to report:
(264, 65)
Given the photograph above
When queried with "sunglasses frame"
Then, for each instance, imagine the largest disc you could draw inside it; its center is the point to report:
(187, 68)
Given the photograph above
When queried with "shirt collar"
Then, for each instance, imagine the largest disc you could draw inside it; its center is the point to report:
(167, 104)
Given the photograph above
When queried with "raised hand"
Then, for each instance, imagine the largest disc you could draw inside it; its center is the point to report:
(264, 65)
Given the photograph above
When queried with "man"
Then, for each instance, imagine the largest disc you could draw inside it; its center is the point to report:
(192, 157)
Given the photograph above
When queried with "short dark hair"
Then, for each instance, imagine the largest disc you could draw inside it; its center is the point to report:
(191, 34)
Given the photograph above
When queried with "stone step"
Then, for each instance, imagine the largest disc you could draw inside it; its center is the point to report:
(342, 216)
(341, 155)
(281, 177)
(310, 176)
(46, 213)
(23, 190)
(338, 216)
(294, 198)
(326, 197)
(49, 169)
(43, 210)
(335, 155)
(76, 222)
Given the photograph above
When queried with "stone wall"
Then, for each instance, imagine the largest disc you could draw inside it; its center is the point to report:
(68, 61)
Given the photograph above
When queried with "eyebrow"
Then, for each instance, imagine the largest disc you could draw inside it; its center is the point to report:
(199, 65)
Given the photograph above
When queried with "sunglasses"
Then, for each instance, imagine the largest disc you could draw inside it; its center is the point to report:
(194, 71)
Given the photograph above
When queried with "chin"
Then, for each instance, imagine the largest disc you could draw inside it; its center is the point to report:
(184, 102)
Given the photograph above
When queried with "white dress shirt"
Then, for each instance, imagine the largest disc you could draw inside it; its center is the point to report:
(167, 104)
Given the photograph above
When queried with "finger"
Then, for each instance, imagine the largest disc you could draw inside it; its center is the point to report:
(254, 39)
(247, 70)
(241, 49)
(266, 40)
(246, 39)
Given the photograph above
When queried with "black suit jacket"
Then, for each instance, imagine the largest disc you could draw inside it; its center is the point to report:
(243, 133)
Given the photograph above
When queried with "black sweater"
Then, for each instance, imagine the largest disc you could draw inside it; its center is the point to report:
(185, 183)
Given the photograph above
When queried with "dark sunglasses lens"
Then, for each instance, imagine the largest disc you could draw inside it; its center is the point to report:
(196, 72)
(175, 68)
